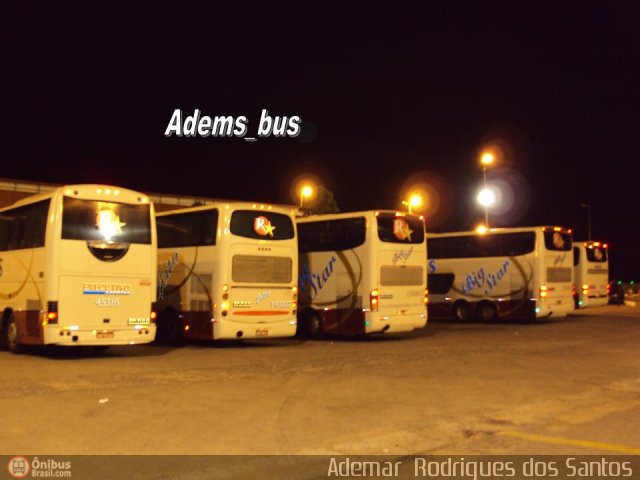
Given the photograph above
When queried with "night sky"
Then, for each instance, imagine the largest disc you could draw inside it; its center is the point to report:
(390, 94)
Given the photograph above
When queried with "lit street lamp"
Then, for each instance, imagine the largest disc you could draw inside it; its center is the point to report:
(488, 197)
(414, 201)
(306, 191)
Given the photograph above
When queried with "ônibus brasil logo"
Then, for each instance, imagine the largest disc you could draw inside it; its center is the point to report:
(262, 226)
(19, 467)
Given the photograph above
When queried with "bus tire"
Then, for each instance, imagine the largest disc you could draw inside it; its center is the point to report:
(310, 325)
(461, 311)
(11, 336)
(486, 312)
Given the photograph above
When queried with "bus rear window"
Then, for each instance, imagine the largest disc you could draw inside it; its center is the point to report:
(261, 269)
(596, 254)
(396, 275)
(557, 241)
(106, 221)
(261, 225)
(394, 229)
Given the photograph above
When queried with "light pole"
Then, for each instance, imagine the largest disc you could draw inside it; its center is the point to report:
(486, 197)
(588, 207)
(306, 191)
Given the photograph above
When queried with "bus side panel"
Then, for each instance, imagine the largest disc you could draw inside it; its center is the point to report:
(507, 282)
(333, 284)
(22, 291)
(185, 289)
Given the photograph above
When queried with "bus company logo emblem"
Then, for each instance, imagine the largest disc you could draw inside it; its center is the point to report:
(19, 467)
(262, 296)
(558, 241)
(262, 226)
(401, 229)
(109, 224)
(100, 288)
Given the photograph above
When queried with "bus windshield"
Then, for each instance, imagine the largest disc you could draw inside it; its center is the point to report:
(395, 229)
(106, 221)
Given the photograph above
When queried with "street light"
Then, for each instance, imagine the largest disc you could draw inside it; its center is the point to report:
(486, 160)
(588, 207)
(414, 201)
(306, 191)
(486, 197)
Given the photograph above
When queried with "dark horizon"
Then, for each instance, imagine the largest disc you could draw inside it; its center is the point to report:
(389, 94)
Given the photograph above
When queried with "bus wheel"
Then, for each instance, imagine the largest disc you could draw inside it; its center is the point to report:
(311, 325)
(486, 312)
(11, 336)
(462, 311)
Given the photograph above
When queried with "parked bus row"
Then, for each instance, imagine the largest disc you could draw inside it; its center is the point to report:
(94, 265)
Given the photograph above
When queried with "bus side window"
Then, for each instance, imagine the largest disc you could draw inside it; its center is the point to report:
(6, 229)
(576, 256)
(32, 225)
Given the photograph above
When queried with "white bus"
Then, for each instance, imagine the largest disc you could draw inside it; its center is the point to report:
(508, 273)
(361, 273)
(227, 270)
(591, 273)
(77, 267)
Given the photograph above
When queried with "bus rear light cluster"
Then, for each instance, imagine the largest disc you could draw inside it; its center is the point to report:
(585, 289)
(544, 291)
(426, 295)
(294, 291)
(51, 315)
(154, 313)
(225, 292)
(374, 300)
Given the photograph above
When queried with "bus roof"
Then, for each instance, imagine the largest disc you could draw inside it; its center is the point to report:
(363, 213)
(85, 191)
(590, 243)
(233, 205)
(501, 230)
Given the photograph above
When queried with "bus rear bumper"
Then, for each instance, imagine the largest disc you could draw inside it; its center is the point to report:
(550, 309)
(97, 337)
(230, 329)
(394, 323)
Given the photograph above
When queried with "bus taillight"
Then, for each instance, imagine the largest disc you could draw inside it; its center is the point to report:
(426, 295)
(543, 291)
(51, 316)
(374, 299)
(154, 313)
(585, 289)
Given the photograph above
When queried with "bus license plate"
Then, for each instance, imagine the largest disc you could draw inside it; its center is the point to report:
(262, 332)
(104, 335)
